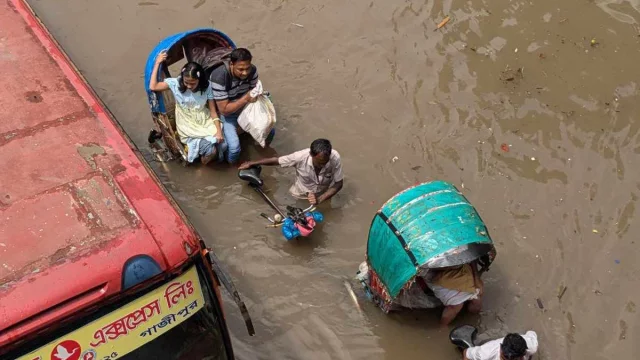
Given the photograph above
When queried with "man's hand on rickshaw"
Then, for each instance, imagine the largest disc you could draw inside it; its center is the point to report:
(477, 279)
(162, 56)
(480, 286)
(220, 137)
(313, 200)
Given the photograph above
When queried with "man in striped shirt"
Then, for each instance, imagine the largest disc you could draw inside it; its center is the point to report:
(231, 83)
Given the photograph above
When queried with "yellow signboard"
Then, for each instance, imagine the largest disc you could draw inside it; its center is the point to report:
(131, 326)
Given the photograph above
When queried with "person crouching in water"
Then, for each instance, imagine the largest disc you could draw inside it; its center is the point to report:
(197, 121)
(511, 347)
(456, 286)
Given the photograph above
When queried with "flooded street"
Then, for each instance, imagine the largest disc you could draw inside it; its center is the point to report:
(530, 108)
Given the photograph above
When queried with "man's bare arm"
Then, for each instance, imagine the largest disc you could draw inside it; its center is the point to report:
(273, 161)
(334, 189)
(227, 107)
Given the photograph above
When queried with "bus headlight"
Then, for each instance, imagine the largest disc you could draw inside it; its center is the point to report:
(138, 269)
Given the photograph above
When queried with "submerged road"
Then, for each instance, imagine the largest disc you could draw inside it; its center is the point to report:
(510, 100)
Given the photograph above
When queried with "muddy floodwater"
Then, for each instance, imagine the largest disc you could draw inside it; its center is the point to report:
(531, 108)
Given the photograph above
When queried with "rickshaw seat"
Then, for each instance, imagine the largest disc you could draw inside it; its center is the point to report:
(251, 175)
(463, 336)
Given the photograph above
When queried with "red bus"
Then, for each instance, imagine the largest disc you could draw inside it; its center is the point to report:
(96, 259)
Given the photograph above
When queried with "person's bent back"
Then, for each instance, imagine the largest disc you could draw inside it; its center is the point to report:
(511, 347)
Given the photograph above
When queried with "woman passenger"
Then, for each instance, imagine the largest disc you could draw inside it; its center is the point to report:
(197, 121)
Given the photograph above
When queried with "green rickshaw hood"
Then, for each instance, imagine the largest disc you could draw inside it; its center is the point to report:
(431, 224)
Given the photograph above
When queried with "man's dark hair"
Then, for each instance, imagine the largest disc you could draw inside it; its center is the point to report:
(321, 146)
(240, 54)
(513, 347)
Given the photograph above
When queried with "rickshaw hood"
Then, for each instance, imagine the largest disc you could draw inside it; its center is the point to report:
(417, 227)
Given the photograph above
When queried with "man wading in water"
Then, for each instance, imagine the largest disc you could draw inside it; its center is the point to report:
(318, 171)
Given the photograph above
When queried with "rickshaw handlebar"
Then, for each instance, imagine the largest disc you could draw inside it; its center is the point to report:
(310, 208)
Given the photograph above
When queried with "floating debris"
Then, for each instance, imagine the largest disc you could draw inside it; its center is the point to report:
(509, 74)
(564, 290)
(298, 25)
(443, 22)
(352, 295)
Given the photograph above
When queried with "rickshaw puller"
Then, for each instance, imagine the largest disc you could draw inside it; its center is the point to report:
(455, 287)
(318, 171)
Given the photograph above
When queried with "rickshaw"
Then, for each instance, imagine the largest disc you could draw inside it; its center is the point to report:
(424, 228)
(206, 46)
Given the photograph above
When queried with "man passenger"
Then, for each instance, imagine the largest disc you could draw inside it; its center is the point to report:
(318, 171)
(231, 84)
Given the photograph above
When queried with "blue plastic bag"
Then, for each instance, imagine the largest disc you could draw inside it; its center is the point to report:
(289, 229)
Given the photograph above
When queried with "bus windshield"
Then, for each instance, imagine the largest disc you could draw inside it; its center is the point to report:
(180, 319)
(198, 338)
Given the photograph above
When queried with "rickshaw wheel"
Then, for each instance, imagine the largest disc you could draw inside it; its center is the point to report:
(172, 143)
(153, 136)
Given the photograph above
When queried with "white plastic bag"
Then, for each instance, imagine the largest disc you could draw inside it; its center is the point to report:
(258, 118)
